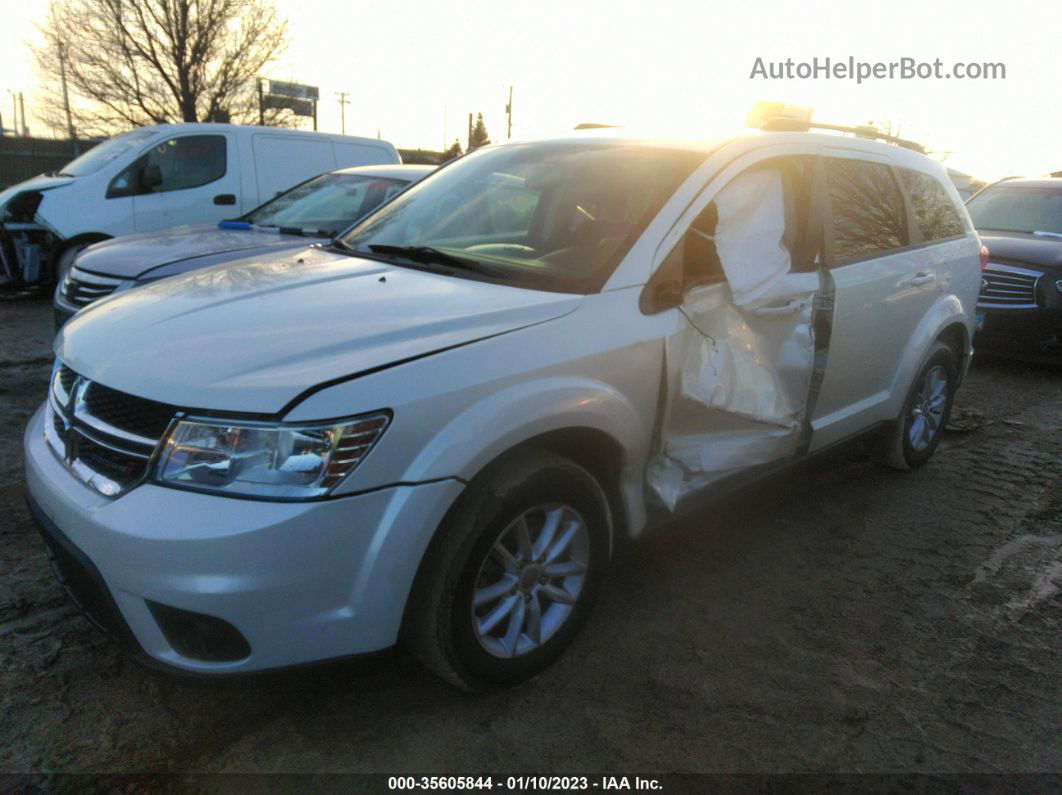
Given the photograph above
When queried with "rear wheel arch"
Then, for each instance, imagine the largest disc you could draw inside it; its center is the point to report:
(955, 336)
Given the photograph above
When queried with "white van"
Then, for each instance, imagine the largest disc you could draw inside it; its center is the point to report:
(158, 177)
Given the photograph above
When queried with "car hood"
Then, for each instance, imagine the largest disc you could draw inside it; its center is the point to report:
(1020, 247)
(182, 248)
(252, 336)
(40, 182)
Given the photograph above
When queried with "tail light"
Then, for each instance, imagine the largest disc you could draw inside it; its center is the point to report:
(984, 256)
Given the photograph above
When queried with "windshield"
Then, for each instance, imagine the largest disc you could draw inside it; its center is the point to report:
(1018, 209)
(102, 154)
(553, 216)
(328, 204)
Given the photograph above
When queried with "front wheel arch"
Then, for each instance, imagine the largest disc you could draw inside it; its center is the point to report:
(74, 244)
(429, 630)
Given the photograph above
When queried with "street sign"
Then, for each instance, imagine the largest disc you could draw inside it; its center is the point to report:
(300, 107)
(296, 90)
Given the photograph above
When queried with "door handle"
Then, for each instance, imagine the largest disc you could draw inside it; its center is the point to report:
(788, 308)
(922, 278)
(225, 198)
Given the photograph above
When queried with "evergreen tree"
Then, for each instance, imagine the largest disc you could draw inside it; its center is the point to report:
(479, 135)
(452, 152)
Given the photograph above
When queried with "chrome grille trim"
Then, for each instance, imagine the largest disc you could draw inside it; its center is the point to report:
(109, 459)
(1008, 287)
(81, 288)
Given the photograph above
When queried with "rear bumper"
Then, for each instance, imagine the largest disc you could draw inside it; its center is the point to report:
(300, 582)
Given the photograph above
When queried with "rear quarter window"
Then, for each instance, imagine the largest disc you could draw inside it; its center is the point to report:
(937, 217)
(867, 209)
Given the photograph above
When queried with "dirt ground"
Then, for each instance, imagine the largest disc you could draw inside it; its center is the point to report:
(845, 618)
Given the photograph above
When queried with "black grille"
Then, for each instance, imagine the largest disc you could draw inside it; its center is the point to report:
(66, 378)
(123, 469)
(1008, 287)
(141, 416)
(81, 288)
(104, 436)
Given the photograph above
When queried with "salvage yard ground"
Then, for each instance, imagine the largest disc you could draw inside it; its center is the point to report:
(846, 618)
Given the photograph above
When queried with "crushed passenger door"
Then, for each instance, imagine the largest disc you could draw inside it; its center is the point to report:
(740, 372)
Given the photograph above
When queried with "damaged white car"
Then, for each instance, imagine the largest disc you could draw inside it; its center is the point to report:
(437, 429)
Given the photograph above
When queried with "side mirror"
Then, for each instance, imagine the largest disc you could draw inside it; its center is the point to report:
(660, 294)
(150, 176)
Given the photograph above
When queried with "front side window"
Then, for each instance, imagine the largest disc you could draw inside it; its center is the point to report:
(173, 164)
(769, 205)
(554, 216)
(1017, 209)
(937, 217)
(327, 204)
(867, 209)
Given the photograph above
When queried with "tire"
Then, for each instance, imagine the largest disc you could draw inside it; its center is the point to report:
(910, 440)
(455, 638)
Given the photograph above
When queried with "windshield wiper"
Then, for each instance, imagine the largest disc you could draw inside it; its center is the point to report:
(1042, 233)
(339, 245)
(428, 255)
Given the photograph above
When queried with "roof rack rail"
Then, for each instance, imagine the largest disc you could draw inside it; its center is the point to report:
(781, 124)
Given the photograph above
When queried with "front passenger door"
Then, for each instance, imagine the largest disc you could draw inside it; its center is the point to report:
(189, 179)
(740, 370)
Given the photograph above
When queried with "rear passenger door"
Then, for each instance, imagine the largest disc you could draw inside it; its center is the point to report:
(883, 287)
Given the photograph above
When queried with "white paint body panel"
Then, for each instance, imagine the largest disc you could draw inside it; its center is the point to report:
(469, 370)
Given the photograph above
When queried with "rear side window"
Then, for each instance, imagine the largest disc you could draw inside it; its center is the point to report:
(867, 208)
(937, 217)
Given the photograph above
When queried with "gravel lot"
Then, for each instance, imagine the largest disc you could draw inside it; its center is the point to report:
(846, 618)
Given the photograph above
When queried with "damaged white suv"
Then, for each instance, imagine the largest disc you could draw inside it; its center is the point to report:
(438, 428)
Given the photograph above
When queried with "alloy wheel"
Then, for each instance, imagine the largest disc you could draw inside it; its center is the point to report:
(927, 410)
(530, 580)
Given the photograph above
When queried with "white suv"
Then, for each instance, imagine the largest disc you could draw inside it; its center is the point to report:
(438, 428)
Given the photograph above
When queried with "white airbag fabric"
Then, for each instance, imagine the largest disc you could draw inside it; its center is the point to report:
(737, 382)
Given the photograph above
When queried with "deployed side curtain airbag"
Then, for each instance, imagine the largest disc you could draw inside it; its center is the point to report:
(750, 234)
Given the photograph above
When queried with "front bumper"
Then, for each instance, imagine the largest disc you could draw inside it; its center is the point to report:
(302, 582)
(1034, 328)
(61, 311)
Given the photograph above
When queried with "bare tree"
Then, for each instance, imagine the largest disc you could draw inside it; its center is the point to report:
(136, 62)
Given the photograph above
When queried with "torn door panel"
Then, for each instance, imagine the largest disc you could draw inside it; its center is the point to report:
(738, 373)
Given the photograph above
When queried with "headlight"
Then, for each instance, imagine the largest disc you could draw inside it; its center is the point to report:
(286, 462)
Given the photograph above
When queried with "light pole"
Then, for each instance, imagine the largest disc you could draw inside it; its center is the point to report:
(14, 111)
(66, 97)
(343, 102)
(509, 111)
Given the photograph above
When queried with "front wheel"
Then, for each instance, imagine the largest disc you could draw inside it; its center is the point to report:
(911, 439)
(66, 257)
(511, 576)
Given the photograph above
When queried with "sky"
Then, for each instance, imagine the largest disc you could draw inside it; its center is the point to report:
(414, 70)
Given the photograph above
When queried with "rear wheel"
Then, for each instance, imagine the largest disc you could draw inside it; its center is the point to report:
(911, 439)
(511, 576)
